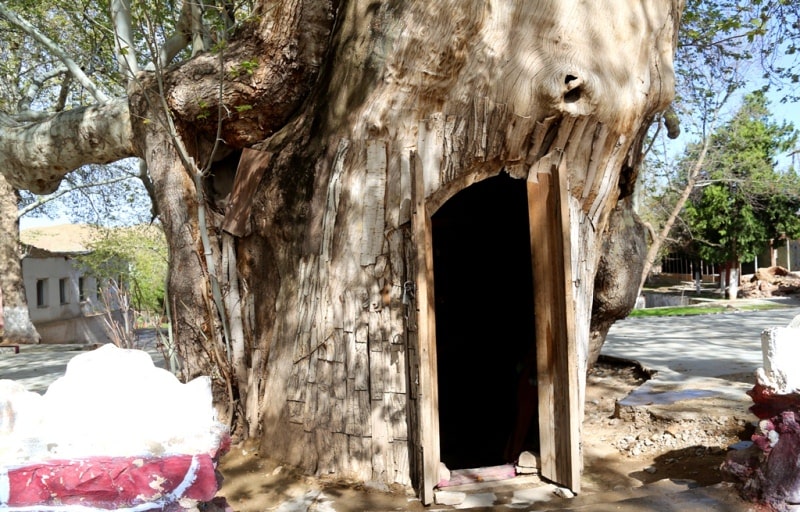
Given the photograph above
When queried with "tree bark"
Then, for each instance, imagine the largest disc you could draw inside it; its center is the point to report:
(616, 284)
(37, 156)
(18, 327)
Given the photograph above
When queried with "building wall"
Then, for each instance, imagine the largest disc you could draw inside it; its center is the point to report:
(787, 255)
(59, 315)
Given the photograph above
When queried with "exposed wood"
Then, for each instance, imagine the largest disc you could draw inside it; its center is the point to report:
(252, 165)
(559, 408)
(373, 201)
(426, 331)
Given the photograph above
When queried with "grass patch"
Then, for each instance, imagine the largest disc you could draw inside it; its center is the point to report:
(702, 309)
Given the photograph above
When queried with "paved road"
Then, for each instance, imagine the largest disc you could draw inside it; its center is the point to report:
(38, 366)
(719, 345)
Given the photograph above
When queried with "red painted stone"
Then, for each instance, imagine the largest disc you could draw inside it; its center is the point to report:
(112, 482)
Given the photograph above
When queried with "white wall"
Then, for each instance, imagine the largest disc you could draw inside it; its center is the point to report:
(72, 321)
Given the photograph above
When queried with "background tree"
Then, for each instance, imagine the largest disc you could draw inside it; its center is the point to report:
(136, 257)
(747, 202)
(717, 50)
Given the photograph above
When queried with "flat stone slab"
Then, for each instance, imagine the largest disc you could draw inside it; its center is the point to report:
(676, 400)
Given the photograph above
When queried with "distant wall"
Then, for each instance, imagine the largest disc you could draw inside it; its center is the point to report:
(83, 329)
(657, 300)
(62, 309)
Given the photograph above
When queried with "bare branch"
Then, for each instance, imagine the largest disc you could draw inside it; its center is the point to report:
(123, 38)
(42, 200)
(52, 47)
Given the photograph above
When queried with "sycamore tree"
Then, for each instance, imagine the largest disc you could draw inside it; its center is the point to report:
(747, 203)
(297, 150)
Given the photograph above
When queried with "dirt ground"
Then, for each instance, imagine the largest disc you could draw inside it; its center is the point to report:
(617, 453)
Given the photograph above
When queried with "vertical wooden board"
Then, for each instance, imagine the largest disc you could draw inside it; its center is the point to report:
(341, 457)
(373, 202)
(556, 349)
(339, 346)
(361, 367)
(296, 411)
(338, 412)
(310, 409)
(405, 189)
(394, 194)
(426, 332)
(376, 325)
(352, 420)
(396, 404)
(359, 449)
(541, 247)
(324, 442)
(324, 398)
(349, 311)
(339, 383)
(327, 349)
(397, 369)
(302, 345)
(362, 331)
(311, 363)
(570, 391)
(377, 371)
(351, 355)
(358, 414)
(364, 411)
(428, 164)
(381, 462)
(401, 463)
(297, 381)
(332, 200)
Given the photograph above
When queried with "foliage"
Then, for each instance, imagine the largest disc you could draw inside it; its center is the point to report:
(136, 257)
(746, 202)
(702, 309)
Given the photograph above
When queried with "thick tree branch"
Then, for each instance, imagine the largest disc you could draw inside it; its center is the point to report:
(269, 74)
(37, 156)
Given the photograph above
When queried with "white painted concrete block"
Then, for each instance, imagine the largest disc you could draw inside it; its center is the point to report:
(780, 347)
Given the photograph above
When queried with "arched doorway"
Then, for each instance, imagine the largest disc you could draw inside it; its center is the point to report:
(485, 331)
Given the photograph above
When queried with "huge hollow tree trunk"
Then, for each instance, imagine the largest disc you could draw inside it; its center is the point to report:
(491, 93)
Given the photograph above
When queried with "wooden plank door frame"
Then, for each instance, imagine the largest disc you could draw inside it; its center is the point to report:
(559, 411)
(427, 387)
(556, 347)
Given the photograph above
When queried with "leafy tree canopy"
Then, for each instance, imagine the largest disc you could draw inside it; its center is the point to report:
(746, 202)
(137, 257)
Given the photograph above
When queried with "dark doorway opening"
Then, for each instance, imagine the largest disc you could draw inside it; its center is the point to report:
(485, 331)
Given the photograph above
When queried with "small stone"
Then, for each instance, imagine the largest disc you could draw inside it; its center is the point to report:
(528, 460)
(563, 492)
(449, 498)
(444, 473)
(741, 445)
(650, 469)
